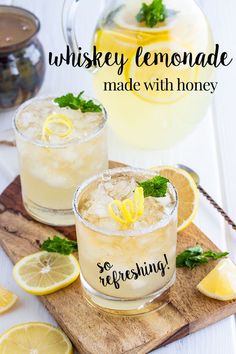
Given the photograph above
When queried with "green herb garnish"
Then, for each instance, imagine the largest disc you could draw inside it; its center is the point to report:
(77, 102)
(59, 245)
(190, 258)
(152, 14)
(194, 256)
(155, 187)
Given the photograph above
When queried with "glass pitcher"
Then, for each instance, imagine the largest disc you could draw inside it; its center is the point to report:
(154, 118)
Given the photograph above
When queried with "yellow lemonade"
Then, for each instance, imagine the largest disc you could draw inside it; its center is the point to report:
(52, 167)
(125, 266)
(160, 117)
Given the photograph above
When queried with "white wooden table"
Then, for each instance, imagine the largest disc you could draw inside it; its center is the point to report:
(210, 150)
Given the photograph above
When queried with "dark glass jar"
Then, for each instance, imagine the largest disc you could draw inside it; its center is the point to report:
(22, 62)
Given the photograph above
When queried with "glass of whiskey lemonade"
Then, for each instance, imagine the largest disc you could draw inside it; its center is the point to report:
(127, 240)
(58, 148)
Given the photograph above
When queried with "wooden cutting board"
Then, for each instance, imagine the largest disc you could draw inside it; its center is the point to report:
(93, 331)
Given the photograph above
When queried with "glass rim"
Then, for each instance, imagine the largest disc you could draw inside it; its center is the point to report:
(62, 145)
(131, 233)
(28, 14)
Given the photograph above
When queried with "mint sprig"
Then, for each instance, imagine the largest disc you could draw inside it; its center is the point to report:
(59, 245)
(194, 256)
(155, 187)
(190, 258)
(152, 14)
(77, 102)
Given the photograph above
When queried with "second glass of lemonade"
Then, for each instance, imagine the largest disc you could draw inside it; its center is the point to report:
(126, 267)
(58, 149)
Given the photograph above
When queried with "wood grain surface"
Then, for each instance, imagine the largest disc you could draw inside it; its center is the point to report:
(93, 331)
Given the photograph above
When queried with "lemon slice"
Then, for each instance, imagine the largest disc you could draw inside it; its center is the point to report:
(150, 74)
(120, 41)
(44, 273)
(35, 338)
(187, 193)
(7, 300)
(220, 283)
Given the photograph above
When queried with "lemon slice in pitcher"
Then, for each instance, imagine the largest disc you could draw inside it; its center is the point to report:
(43, 272)
(153, 74)
(35, 338)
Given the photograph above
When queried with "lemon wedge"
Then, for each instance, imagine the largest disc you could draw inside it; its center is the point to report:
(35, 338)
(60, 119)
(44, 273)
(7, 300)
(220, 283)
(187, 193)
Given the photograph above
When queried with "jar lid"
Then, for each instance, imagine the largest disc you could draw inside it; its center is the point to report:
(17, 27)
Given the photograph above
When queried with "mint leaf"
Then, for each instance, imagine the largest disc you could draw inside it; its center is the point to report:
(183, 257)
(77, 102)
(194, 261)
(155, 187)
(215, 255)
(152, 14)
(59, 245)
(194, 256)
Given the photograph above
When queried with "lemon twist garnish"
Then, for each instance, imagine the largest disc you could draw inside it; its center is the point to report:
(59, 119)
(128, 211)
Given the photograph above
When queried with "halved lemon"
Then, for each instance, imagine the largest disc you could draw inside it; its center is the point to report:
(35, 338)
(7, 300)
(187, 193)
(220, 283)
(44, 273)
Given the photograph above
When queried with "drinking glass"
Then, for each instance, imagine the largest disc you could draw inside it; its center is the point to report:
(51, 170)
(125, 270)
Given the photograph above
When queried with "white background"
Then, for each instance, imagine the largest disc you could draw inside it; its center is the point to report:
(210, 150)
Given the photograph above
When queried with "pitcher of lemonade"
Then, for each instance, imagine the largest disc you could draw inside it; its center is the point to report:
(163, 112)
